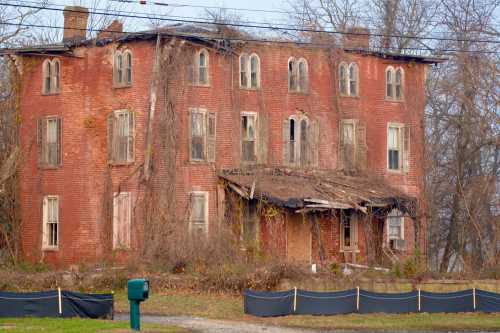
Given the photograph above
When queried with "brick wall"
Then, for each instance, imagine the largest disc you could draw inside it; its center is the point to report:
(87, 96)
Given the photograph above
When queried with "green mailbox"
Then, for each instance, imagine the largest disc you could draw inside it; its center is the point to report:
(138, 291)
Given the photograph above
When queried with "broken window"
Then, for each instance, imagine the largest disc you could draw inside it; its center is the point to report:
(50, 222)
(352, 145)
(300, 141)
(395, 225)
(398, 147)
(348, 231)
(49, 142)
(121, 129)
(198, 219)
(202, 135)
(248, 144)
(121, 220)
(297, 75)
(51, 76)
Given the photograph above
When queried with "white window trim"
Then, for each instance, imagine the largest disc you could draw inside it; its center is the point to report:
(387, 227)
(298, 136)
(393, 71)
(53, 89)
(401, 98)
(45, 246)
(256, 135)
(203, 112)
(345, 66)
(196, 79)
(351, 65)
(400, 126)
(206, 195)
(124, 69)
(355, 224)
(116, 196)
(248, 71)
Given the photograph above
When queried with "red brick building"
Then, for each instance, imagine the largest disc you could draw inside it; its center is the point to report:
(328, 139)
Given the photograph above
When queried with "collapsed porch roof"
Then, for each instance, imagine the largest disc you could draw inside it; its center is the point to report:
(316, 190)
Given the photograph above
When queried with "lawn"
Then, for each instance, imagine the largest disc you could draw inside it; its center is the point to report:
(231, 308)
(59, 325)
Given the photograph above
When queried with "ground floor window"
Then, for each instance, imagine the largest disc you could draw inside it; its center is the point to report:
(348, 232)
(51, 222)
(395, 230)
(198, 219)
(121, 220)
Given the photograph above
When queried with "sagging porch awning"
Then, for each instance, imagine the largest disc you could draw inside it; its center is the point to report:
(308, 191)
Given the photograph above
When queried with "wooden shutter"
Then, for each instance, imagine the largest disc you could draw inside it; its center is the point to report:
(111, 137)
(313, 143)
(59, 140)
(41, 135)
(361, 147)
(342, 152)
(211, 136)
(286, 142)
(406, 148)
(45, 217)
(115, 220)
(263, 138)
(131, 136)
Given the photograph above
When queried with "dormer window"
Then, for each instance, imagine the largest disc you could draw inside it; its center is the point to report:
(122, 69)
(51, 77)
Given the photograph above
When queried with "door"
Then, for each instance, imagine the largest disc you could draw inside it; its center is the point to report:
(298, 238)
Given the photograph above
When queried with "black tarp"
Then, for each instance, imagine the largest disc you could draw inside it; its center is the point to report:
(46, 304)
(268, 304)
(460, 301)
(370, 302)
(87, 305)
(487, 301)
(325, 303)
(36, 304)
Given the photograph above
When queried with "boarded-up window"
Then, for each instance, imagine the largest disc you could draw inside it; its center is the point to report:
(348, 231)
(198, 219)
(122, 216)
(50, 222)
(121, 137)
(202, 138)
(248, 137)
(352, 145)
(49, 142)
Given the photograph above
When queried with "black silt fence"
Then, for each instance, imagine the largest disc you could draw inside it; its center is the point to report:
(325, 303)
(56, 304)
(370, 302)
(303, 302)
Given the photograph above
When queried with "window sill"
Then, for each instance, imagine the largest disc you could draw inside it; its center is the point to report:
(118, 164)
(201, 162)
(394, 100)
(201, 85)
(122, 86)
(396, 172)
(49, 167)
(355, 250)
(350, 96)
(50, 248)
(51, 93)
(249, 89)
(294, 92)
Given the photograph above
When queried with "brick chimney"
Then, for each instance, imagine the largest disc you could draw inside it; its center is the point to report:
(357, 38)
(75, 23)
(114, 30)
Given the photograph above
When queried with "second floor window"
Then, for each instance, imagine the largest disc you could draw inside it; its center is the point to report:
(122, 69)
(352, 145)
(297, 75)
(348, 79)
(248, 137)
(249, 71)
(51, 76)
(398, 147)
(49, 142)
(300, 141)
(202, 135)
(198, 73)
(394, 83)
(121, 137)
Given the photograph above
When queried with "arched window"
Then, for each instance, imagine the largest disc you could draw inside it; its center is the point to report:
(47, 77)
(399, 84)
(292, 74)
(254, 71)
(56, 75)
(203, 67)
(343, 79)
(353, 79)
(292, 140)
(389, 77)
(302, 75)
(128, 68)
(118, 69)
(243, 70)
(303, 142)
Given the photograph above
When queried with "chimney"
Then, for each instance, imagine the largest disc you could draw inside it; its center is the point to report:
(75, 23)
(114, 30)
(357, 38)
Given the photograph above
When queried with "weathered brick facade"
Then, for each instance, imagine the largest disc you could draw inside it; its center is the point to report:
(87, 96)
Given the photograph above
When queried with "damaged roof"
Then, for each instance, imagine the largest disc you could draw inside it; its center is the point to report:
(316, 190)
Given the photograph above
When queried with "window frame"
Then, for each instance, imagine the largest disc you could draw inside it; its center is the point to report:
(246, 72)
(301, 81)
(399, 127)
(43, 144)
(343, 79)
(395, 214)
(394, 71)
(298, 158)
(131, 141)
(401, 84)
(354, 225)
(204, 127)
(389, 91)
(51, 76)
(128, 241)
(255, 138)
(206, 223)
(122, 69)
(198, 67)
(45, 223)
(355, 68)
